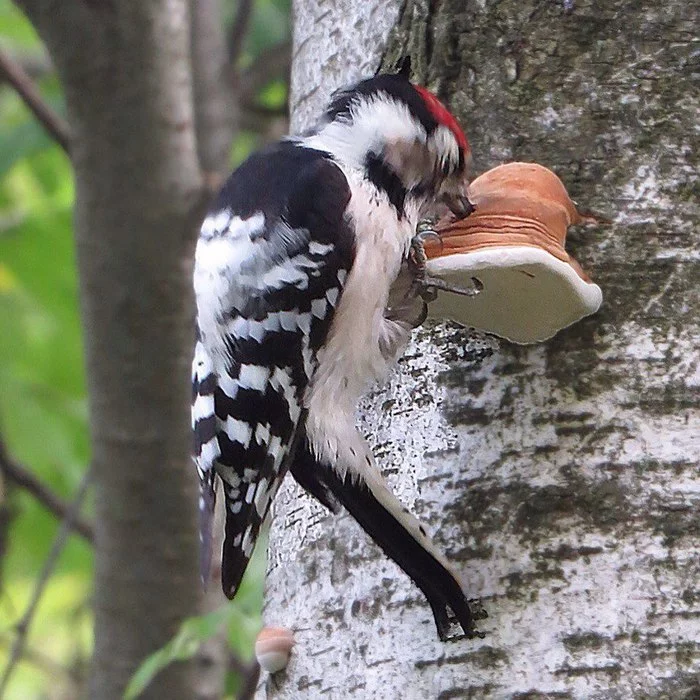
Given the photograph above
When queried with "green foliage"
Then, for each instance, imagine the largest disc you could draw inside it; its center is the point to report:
(269, 25)
(241, 618)
(193, 632)
(43, 412)
(43, 403)
(273, 95)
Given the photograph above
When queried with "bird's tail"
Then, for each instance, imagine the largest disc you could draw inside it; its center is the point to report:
(399, 534)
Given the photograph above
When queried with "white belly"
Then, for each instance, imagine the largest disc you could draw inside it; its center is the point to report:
(351, 358)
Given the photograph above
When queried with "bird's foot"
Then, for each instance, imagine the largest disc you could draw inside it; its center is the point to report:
(426, 286)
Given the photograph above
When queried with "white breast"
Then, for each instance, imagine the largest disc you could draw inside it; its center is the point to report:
(351, 358)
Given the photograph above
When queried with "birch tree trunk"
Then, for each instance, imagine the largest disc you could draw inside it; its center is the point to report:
(563, 479)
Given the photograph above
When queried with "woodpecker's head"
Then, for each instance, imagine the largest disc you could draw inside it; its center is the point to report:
(403, 137)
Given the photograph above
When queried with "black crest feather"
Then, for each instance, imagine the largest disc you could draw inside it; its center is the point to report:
(403, 67)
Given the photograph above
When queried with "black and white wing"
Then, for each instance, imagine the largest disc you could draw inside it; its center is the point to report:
(271, 261)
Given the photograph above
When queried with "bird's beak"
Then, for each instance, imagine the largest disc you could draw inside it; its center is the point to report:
(459, 204)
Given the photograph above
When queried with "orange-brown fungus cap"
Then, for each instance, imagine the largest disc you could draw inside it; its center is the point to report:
(273, 647)
(514, 244)
(516, 204)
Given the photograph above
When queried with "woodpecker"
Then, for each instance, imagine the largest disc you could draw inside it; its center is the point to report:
(293, 272)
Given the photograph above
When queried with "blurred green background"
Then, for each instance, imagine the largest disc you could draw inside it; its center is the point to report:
(43, 406)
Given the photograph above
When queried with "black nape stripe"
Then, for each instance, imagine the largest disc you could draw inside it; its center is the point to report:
(386, 180)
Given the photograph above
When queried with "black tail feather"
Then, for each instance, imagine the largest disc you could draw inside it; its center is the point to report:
(234, 560)
(307, 474)
(438, 584)
(443, 592)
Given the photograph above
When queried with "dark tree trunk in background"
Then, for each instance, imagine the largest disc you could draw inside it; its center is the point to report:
(126, 70)
(562, 479)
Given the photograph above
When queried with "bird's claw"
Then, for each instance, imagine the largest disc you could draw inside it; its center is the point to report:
(417, 255)
(478, 610)
(427, 287)
(431, 285)
(452, 630)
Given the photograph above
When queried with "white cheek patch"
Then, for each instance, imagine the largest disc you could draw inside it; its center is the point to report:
(375, 121)
(444, 146)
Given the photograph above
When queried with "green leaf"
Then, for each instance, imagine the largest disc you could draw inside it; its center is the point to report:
(193, 632)
(16, 29)
(241, 617)
(274, 94)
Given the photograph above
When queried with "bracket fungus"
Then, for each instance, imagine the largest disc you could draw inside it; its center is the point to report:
(513, 244)
(273, 648)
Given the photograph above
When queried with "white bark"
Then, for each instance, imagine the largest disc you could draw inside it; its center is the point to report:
(562, 480)
(335, 43)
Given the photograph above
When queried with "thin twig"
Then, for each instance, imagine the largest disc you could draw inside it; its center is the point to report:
(271, 64)
(239, 29)
(255, 109)
(46, 664)
(22, 627)
(21, 477)
(14, 74)
(36, 66)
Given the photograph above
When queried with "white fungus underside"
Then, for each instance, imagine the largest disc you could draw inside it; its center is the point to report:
(528, 295)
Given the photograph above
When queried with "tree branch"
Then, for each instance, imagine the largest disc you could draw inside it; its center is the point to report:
(36, 66)
(20, 476)
(14, 74)
(22, 627)
(213, 93)
(239, 29)
(47, 665)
